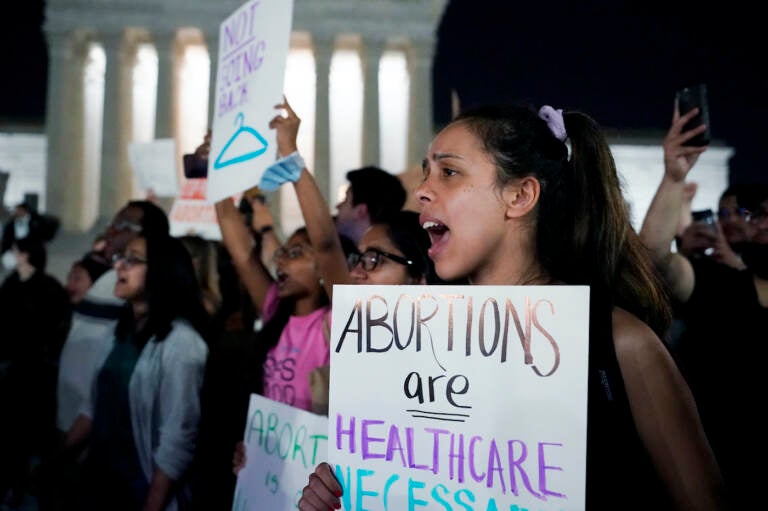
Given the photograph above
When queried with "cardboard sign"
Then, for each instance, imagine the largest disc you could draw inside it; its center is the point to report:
(154, 164)
(253, 48)
(283, 445)
(191, 214)
(459, 397)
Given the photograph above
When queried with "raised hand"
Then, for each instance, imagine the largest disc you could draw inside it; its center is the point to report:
(287, 127)
(678, 158)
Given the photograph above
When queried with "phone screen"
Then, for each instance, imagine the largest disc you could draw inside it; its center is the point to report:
(689, 98)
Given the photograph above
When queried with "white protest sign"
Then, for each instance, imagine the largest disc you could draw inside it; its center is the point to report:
(459, 397)
(253, 49)
(283, 445)
(154, 164)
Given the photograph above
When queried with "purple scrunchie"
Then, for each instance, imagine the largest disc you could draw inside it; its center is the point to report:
(554, 120)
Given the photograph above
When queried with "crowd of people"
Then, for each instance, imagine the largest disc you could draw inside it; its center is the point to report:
(129, 383)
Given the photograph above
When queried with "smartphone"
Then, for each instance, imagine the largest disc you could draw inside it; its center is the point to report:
(705, 216)
(689, 98)
(195, 167)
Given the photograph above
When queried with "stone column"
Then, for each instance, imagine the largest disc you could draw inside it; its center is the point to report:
(370, 57)
(420, 126)
(167, 115)
(212, 41)
(323, 51)
(166, 121)
(116, 175)
(65, 128)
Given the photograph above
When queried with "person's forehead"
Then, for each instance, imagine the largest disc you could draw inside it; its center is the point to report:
(296, 238)
(376, 236)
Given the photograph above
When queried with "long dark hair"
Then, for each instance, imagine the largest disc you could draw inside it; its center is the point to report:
(172, 292)
(584, 235)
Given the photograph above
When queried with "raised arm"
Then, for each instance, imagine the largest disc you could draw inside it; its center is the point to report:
(662, 219)
(239, 243)
(315, 210)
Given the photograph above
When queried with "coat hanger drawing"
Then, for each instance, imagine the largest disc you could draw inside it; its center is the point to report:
(220, 163)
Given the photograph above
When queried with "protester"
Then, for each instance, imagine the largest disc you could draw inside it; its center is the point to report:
(35, 315)
(725, 311)
(88, 344)
(140, 421)
(550, 219)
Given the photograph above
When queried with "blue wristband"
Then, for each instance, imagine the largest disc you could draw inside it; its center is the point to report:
(282, 171)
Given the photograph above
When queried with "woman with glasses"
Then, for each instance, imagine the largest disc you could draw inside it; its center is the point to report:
(293, 307)
(722, 239)
(141, 421)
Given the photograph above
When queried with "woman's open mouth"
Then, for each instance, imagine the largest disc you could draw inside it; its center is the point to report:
(439, 234)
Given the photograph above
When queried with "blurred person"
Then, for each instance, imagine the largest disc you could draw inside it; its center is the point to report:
(140, 420)
(373, 194)
(725, 310)
(94, 320)
(205, 263)
(724, 240)
(88, 344)
(35, 315)
(545, 186)
(81, 276)
(27, 222)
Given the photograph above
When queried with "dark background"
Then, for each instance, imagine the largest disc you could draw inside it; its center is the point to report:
(618, 60)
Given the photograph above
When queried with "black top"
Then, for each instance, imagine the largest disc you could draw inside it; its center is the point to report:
(722, 356)
(620, 474)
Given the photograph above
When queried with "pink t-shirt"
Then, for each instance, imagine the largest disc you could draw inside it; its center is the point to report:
(300, 350)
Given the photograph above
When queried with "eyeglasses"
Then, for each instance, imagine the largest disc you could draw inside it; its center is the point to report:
(290, 253)
(126, 226)
(371, 258)
(727, 213)
(128, 260)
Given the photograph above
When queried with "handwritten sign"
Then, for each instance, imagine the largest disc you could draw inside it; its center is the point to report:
(459, 397)
(283, 445)
(253, 49)
(191, 214)
(154, 164)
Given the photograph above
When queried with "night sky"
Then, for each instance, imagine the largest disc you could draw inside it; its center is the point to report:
(619, 61)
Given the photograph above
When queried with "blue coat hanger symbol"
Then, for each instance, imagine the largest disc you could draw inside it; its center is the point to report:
(222, 162)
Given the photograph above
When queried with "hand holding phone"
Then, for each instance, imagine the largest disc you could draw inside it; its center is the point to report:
(687, 99)
(706, 217)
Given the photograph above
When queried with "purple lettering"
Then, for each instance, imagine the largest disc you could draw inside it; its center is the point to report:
(494, 465)
(456, 459)
(367, 439)
(409, 443)
(477, 477)
(436, 447)
(341, 432)
(516, 463)
(543, 467)
(394, 444)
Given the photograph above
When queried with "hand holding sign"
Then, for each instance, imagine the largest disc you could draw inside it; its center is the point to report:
(323, 490)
